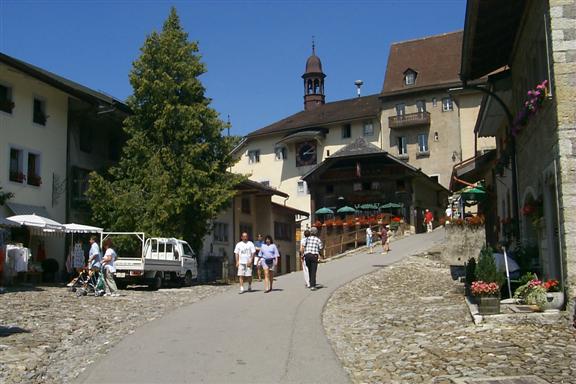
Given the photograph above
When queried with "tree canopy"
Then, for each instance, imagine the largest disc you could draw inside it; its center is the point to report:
(172, 175)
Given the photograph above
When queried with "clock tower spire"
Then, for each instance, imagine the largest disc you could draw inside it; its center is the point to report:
(313, 81)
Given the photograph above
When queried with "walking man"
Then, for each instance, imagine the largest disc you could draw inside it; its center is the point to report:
(304, 267)
(428, 219)
(244, 252)
(312, 248)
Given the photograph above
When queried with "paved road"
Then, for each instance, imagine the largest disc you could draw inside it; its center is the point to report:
(250, 338)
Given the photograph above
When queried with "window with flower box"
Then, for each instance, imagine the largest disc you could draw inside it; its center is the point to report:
(16, 171)
(33, 174)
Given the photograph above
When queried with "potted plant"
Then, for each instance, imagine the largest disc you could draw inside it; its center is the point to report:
(488, 295)
(543, 294)
(486, 288)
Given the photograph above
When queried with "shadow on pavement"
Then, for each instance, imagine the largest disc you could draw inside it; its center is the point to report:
(7, 331)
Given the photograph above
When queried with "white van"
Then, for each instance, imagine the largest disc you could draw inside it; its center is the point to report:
(162, 260)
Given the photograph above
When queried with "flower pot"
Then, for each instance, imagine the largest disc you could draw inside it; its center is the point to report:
(488, 305)
(554, 300)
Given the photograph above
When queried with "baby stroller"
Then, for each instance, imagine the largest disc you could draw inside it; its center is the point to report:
(89, 282)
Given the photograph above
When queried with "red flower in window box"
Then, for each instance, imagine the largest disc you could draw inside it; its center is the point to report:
(34, 180)
(18, 177)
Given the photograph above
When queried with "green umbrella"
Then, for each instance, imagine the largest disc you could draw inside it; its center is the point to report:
(346, 209)
(324, 211)
(473, 193)
(391, 205)
(368, 207)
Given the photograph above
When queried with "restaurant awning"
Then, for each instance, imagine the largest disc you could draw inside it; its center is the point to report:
(27, 209)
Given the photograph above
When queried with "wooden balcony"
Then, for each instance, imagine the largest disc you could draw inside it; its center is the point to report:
(409, 120)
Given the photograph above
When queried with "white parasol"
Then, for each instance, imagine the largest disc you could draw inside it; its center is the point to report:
(36, 221)
(81, 228)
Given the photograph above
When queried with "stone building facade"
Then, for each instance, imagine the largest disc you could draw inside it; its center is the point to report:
(535, 43)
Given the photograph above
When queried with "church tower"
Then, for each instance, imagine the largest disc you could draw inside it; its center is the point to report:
(313, 82)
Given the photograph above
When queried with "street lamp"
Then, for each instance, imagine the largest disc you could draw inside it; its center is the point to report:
(358, 84)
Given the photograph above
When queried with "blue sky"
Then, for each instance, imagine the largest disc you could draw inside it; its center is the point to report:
(255, 51)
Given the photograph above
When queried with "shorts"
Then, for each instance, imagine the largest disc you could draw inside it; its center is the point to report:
(257, 261)
(244, 270)
(268, 265)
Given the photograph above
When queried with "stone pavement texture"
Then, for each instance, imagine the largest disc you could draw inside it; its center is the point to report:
(254, 337)
(408, 323)
(65, 333)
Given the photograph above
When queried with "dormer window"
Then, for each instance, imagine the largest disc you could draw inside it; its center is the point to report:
(409, 77)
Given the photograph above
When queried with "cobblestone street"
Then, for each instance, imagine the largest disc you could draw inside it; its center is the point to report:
(64, 334)
(408, 323)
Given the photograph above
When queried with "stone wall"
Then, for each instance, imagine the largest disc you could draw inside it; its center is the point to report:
(563, 30)
(462, 243)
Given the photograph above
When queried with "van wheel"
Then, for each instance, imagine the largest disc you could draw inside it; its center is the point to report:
(156, 282)
(121, 285)
(188, 279)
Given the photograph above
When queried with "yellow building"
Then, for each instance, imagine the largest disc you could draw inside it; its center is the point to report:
(415, 118)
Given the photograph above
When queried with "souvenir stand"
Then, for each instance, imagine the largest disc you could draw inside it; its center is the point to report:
(76, 258)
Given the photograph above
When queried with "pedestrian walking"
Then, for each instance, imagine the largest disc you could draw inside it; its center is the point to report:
(369, 239)
(258, 245)
(312, 247)
(385, 234)
(269, 258)
(94, 255)
(244, 253)
(109, 269)
(428, 219)
(304, 267)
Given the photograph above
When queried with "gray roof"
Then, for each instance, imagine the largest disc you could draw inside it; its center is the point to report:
(65, 85)
(357, 148)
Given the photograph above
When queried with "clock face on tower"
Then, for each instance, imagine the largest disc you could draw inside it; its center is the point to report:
(306, 153)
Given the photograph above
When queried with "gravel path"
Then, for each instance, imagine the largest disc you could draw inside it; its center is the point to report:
(64, 334)
(408, 323)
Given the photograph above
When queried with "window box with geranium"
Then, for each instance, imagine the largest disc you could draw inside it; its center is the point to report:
(17, 177)
(534, 211)
(34, 180)
(534, 100)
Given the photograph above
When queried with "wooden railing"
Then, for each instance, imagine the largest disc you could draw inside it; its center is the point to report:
(410, 119)
(338, 240)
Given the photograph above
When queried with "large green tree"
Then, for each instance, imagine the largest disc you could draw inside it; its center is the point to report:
(172, 176)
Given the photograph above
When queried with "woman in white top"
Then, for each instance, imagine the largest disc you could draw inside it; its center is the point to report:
(109, 269)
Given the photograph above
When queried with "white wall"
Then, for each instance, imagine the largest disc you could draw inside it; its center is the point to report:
(17, 130)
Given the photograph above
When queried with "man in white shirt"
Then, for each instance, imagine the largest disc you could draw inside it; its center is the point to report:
(244, 252)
